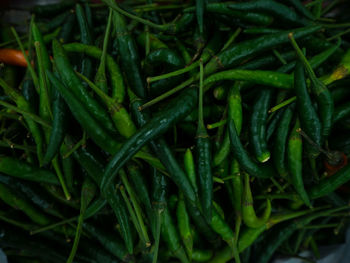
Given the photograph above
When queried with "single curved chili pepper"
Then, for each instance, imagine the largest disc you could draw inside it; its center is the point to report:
(158, 125)
(109, 241)
(167, 60)
(67, 167)
(59, 127)
(129, 56)
(54, 22)
(277, 10)
(67, 30)
(294, 153)
(241, 51)
(97, 133)
(331, 183)
(279, 150)
(51, 9)
(85, 38)
(75, 86)
(248, 214)
(190, 169)
(95, 169)
(117, 83)
(242, 157)
(183, 222)
(248, 17)
(17, 168)
(88, 192)
(203, 149)
(309, 120)
(258, 125)
(171, 237)
(263, 77)
(12, 57)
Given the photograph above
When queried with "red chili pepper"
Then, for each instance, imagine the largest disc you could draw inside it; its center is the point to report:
(13, 57)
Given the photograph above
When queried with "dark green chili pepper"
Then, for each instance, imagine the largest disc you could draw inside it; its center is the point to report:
(200, 9)
(273, 124)
(59, 126)
(90, 125)
(241, 51)
(276, 9)
(258, 125)
(329, 184)
(71, 80)
(242, 157)
(29, 92)
(190, 169)
(85, 38)
(23, 170)
(294, 153)
(158, 125)
(279, 150)
(129, 56)
(203, 148)
(248, 214)
(171, 237)
(184, 227)
(249, 17)
(109, 241)
(51, 9)
(309, 120)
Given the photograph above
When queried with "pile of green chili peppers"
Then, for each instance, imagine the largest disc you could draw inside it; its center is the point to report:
(175, 131)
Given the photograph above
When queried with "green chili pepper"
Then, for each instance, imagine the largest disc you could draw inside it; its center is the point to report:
(248, 214)
(204, 158)
(294, 153)
(67, 31)
(309, 120)
(279, 150)
(184, 227)
(129, 56)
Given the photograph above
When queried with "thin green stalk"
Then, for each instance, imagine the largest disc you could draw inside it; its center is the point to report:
(338, 35)
(278, 55)
(133, 215)
(60, 177)
(49, 227)
(283, 104)
(232, 38)
(29, 65)
(136, 206)
(157, 237)
(174, 73)
(216, 124)
(32, 116)
(112, 4)
(8, 143)
(200, 103)
(320, 226)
